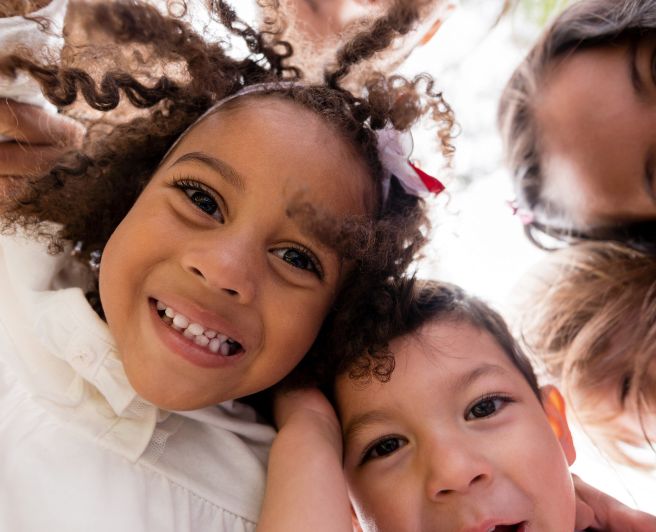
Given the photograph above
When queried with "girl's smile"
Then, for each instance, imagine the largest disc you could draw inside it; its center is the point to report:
(212, 290)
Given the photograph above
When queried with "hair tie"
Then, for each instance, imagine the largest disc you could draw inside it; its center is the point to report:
(394, 150)
(525, 216)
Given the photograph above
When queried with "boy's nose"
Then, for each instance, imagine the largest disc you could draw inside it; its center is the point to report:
(452, 468)
(230, 265)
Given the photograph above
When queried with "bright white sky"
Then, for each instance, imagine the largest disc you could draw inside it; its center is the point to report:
(478, 243)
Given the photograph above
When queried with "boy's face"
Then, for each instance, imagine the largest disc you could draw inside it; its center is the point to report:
(455, 441)
(211, 288)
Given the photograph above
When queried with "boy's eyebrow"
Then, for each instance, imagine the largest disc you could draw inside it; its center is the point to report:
(226, 171)
(360, 421)
(483, 370)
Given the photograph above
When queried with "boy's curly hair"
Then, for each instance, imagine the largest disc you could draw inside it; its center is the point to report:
(89, 191)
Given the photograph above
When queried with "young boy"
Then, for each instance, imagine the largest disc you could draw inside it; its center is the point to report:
(459, 437)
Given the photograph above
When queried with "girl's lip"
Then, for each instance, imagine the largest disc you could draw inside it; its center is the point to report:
(186, 348)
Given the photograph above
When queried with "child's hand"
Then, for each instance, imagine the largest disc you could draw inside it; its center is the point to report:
(306, 488)
(597, 511)
(38, 138)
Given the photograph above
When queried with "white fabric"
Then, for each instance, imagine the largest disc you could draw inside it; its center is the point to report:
(79, 450)
(18, 33)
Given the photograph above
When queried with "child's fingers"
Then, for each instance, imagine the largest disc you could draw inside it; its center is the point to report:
(30, 124)
(23, 159)
(290, 402)
(599, 511)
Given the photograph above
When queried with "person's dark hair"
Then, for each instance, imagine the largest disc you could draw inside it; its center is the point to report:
(585, 24)
(89, 191)
(413, 304)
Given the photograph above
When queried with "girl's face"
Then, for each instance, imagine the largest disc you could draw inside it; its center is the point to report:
(211, 289)
(456, 441)
(597, 123)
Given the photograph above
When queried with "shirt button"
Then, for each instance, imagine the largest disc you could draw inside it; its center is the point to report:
(83, 360)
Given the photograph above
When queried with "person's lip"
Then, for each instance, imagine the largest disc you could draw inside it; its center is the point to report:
(186, 347)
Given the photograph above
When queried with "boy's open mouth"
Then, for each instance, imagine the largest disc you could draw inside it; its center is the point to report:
(214, 341)
(517, 527)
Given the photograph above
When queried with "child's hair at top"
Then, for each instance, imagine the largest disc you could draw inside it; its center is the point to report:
(595, 330)
(585, 24)
(414, 303)
(90, 191)
(12, 8)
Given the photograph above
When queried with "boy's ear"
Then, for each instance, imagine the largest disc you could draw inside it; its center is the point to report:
(355, 521)
(554, 406)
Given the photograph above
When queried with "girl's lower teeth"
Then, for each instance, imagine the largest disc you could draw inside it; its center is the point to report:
(211, 340)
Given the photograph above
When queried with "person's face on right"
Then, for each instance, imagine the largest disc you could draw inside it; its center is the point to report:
(457, 440)
(596, 123)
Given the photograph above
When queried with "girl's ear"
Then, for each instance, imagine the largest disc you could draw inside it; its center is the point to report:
(554, 406)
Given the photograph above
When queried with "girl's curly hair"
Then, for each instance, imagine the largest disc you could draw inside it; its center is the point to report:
(89, 191)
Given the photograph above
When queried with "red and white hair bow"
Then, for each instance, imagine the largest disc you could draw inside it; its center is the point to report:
(394, 150)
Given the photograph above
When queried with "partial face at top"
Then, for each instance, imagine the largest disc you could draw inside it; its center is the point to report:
(597, 120)
(211, 290)
(455, 441)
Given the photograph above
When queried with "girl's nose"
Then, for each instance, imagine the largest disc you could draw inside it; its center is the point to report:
(229, 264)
(452, 468)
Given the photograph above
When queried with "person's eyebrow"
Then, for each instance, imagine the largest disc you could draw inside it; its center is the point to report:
(634, 73)
(468, 378)
(360, 422)
(226, 171)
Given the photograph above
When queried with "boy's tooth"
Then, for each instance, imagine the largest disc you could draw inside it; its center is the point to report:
(215, 344)
(161, 306)
(210, 333)
(195, 329)
(222, 337)
(169, 312)
(181, 321)
(187, 334)
(225, 349)
(201, 340)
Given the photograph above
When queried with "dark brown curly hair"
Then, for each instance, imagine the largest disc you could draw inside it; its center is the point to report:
(89, 191)
(409, 304)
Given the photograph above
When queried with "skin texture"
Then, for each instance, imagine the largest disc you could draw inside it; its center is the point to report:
(39, 138)
(424, 461)
(243, 268)
(599, 146)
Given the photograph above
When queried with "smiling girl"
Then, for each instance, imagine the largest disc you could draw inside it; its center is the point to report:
(232, 225)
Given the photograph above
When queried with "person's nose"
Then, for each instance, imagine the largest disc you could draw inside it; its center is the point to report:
(453, 467)
(228, 261)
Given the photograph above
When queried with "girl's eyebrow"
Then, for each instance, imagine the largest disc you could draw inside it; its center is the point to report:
(226, 171)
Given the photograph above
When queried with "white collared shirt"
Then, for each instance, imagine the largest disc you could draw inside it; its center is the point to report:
(80, 450)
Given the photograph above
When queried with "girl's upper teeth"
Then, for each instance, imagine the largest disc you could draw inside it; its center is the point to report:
(213, 340)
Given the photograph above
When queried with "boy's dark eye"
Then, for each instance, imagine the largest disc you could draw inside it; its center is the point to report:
(384, 447)
(299, 258)
(486, 407)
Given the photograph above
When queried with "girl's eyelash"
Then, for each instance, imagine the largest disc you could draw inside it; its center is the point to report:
(187, 184)
(312, 258)
(486, 400)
